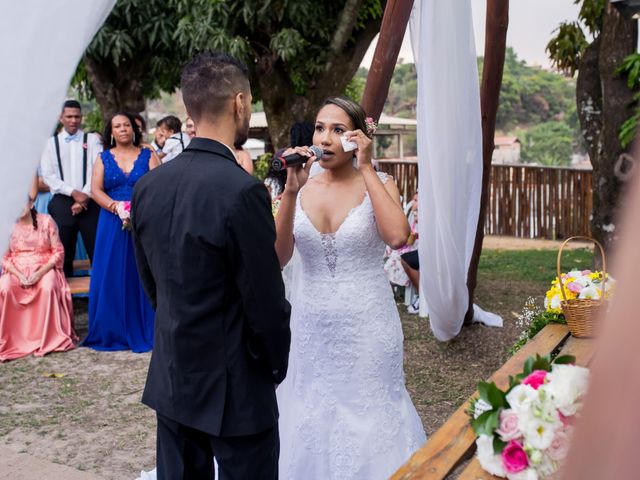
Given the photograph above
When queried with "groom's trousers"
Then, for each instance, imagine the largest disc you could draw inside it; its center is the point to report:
(184, 453)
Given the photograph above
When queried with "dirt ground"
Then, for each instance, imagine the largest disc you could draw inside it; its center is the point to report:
(82, 408)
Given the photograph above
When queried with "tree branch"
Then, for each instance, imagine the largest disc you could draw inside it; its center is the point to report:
(342, 33)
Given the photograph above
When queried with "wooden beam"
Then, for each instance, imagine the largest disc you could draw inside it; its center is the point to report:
(494, 51)
(394, 24)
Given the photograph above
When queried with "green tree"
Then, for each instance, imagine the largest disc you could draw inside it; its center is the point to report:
(299, 52)
(603, 99)
(548, 143)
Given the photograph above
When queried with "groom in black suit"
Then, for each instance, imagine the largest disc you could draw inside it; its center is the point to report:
(204, 237)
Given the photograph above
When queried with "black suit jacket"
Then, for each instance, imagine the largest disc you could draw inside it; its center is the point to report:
(204, 239)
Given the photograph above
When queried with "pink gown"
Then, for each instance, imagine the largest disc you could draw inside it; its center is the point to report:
(36, 319)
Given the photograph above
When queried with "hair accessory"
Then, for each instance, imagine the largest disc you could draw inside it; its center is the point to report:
(371, 126)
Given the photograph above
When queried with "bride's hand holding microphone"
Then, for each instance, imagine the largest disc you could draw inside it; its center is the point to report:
(297, 174)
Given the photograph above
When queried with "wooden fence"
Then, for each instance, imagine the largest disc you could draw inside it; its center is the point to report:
(525, 201)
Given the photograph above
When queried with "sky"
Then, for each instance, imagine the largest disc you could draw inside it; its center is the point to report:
(531, 23)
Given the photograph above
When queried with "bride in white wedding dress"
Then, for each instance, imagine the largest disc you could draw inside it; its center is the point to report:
(345, 412)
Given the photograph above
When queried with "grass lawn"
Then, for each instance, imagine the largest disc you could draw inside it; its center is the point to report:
(91, 417)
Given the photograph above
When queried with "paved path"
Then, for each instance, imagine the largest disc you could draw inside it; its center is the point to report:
(21, 466)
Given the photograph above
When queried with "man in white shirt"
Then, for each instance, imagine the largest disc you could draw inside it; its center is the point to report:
(66, 166)
(176, 141)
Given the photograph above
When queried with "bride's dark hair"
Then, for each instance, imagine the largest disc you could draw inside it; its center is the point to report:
(351, 108)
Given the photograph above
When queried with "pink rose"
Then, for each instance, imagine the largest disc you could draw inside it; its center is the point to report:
(559, 446)
(514, 458)
(127, 206)
(575, 287)
(535, 379)
(586, 272)
(508, 428)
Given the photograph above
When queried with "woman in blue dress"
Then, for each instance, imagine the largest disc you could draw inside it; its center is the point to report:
(120, 316)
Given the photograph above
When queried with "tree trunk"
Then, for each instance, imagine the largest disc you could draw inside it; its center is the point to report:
(283, 107)
(116, 90)
(618, 39)
(494, 52)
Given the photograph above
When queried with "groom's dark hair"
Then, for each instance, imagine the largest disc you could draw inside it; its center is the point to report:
(209, 80)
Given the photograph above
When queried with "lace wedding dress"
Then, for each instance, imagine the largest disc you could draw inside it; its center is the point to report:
(344, 410)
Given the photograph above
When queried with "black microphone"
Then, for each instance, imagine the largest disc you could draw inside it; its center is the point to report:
(294, 159)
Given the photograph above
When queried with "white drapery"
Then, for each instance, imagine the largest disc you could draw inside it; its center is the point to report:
(450, 158)
(41, 43)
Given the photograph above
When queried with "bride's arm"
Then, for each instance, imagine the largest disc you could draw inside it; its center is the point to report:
(385, 198)
(296, 178)
(284, 226)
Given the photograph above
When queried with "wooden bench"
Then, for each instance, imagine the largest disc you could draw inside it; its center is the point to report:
(79, 286)
(454, 442)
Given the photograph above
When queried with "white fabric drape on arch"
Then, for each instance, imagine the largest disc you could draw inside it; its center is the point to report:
(450, 158)
(41, 43)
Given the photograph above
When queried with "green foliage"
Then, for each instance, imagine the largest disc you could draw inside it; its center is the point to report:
(355, 89)
(631, 69)
(295, 35)
(567, 46)
(530, 95)
(548, 143)
(262, 165)
(403, 91)
(139, 37)
(540, 321)
(565, 49)
(93, 120)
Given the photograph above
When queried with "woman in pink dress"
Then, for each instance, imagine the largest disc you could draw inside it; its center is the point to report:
(36, 312)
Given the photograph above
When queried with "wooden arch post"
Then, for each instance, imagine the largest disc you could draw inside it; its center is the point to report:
(394, 24)
(495, 42)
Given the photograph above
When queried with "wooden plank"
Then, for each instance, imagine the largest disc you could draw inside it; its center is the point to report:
(447, 447)
(79, 285)
(581, 348)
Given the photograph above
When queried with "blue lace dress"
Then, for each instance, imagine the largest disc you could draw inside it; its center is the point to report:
(120, 316)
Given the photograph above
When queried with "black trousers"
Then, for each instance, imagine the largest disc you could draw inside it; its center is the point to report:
(184, 453)
(69, 225)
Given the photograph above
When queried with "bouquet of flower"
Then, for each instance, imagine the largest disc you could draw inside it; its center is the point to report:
(577, 284)
(123, 210)
(524, 432)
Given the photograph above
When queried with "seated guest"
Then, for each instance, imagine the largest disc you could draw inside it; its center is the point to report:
(120, 317)
(176, 141)
(36, 313)
(243, 158)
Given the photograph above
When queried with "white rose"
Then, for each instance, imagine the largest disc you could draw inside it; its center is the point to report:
(590, 292)
(491, 462)
(526, 474)
(520, 398)
(566, 385)
(575, 273)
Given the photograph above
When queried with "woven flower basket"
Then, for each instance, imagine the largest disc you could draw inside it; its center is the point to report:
(581, 313)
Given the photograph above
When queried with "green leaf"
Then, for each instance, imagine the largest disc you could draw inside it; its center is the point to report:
(491, 394)
(498, 445)
(565, 360)
(542, 363)
(486, 423)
